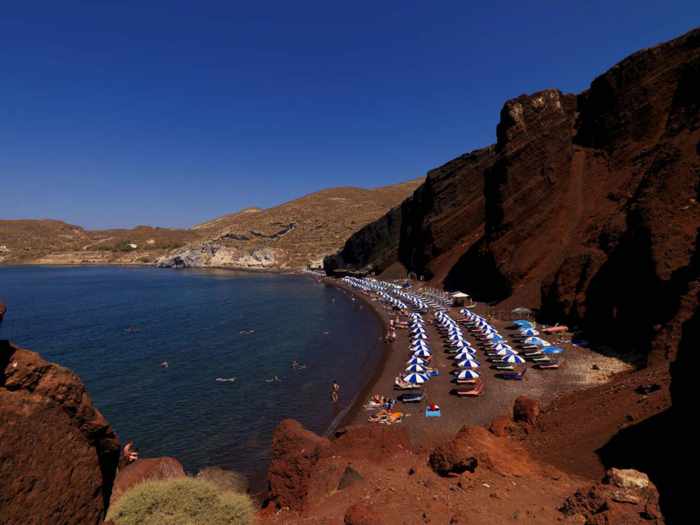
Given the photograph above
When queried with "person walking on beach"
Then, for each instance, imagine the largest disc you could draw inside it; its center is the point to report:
(335, 391)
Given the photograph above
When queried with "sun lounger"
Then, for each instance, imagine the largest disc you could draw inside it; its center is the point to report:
(551, 365)
(473, 391)
(411, 397)
(513, 376)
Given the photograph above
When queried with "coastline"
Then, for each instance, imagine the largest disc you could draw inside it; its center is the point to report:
(349, 414)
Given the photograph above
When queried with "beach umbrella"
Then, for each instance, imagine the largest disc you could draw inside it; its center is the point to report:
(537, 341)
(422, 353)
(468, 374)
(419, 335)
(468, 363)
(527, 332)
(553, 350)
(415, 378)
(463, 355)
(419, 345)
(521, 323)
(416, 368)
(513, 359)
(415, 361)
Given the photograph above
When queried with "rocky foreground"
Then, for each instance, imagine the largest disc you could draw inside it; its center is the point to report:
(538, 465)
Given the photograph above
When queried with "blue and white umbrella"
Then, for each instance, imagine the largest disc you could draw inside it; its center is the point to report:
(418, 345)
(416, 361)
(513, 359)
(422, 353)
(463, 355)
(468, 363)
(523, 324)
(536, 341)
(416, 368)
(553, 350)
(416, 378)
(468, 374)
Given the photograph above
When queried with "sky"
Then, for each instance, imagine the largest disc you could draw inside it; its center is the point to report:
(169, 113)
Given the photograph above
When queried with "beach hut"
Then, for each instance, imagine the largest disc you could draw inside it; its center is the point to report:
(460, 299)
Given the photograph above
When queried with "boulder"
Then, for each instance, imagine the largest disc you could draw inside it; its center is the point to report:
(526, 410)
(628, 478)
(58, 454)
(145, 470)
(501, 426)
(625, 497)
(476, 447)
(350, 477)
(294, 457)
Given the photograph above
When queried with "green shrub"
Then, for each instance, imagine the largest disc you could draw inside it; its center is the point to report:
(182, 501)
(225, 479)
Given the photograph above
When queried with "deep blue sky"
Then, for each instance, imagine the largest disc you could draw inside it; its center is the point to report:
(116, 114)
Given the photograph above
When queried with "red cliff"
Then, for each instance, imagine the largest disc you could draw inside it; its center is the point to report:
(586, 207)
(58, 454)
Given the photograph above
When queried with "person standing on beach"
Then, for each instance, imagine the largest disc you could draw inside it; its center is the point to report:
(335, 391)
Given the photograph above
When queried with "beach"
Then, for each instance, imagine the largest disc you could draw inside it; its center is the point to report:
(582, 368)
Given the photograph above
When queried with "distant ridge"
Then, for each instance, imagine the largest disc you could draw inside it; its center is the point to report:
(290, 236)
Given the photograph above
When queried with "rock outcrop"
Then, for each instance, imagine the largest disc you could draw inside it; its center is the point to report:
(526, 410)
(58, 455)
(305, 468)
(625, 496)
(148, 469)
(586, 207)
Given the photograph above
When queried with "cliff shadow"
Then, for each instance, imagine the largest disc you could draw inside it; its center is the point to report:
(646, 447)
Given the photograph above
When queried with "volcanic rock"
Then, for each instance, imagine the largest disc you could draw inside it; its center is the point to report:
(526, 410)
(58, 455)
(295, 453)
(476, 448)
(626, 497)
(149, 469)
(350, 476)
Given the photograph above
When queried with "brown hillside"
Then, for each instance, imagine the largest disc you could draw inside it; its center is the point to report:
(293, 235)
(290, 236)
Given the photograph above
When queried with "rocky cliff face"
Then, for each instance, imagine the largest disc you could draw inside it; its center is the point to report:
(586, 207)
(58, 455)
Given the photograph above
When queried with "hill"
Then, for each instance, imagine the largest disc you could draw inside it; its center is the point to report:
(292, 235)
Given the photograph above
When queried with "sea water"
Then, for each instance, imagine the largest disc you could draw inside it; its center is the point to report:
(115, 326)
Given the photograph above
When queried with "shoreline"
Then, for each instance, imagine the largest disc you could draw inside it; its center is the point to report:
(349, 413)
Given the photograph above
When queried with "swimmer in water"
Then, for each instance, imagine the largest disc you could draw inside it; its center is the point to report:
(164, 364)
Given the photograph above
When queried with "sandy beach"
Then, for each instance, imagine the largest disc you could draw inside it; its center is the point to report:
(582, 368)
